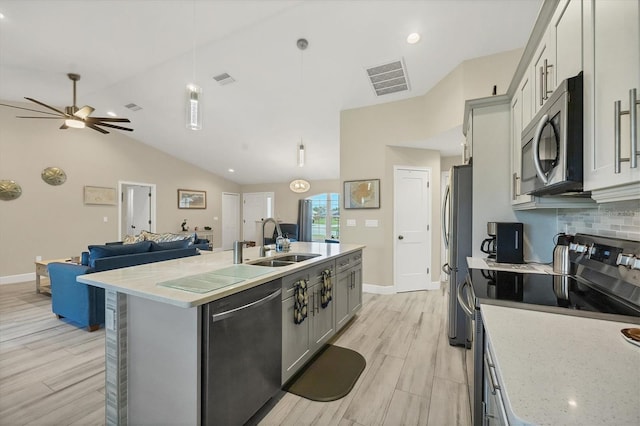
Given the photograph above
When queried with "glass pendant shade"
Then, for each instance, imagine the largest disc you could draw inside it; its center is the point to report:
(301, 155)
(194, 107)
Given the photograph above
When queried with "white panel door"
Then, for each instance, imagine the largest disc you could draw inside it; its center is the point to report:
(256, 206)
(230, 219)
(412, 230)
(137, 205)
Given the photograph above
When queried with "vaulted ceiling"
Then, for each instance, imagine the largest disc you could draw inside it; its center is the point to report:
(146, 52)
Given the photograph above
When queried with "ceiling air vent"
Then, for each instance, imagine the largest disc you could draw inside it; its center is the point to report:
(223, 79)
(133, 107)
(388, 78)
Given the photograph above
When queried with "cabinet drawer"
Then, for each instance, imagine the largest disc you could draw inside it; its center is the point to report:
(289, 282)
(356, 258)
(343, 263)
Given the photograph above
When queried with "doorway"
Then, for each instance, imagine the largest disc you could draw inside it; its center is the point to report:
(412, 229)
(230, 219)
(137, 207)
(256, 206)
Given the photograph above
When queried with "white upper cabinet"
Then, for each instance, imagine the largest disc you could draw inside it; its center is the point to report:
(612, 73)
(516, 152)
(543, 71)
(566, 27)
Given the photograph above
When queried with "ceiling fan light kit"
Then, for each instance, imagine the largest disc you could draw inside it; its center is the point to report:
(74, 117)
(299, 186)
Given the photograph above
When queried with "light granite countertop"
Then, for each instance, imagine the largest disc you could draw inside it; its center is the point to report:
(560, 369)
(142, 281)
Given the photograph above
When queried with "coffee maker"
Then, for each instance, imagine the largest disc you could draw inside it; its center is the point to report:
(505, 242)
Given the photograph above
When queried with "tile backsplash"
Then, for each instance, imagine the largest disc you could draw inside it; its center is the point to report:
(618, 220)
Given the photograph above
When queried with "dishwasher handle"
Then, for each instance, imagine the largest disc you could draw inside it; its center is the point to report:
(232, 312)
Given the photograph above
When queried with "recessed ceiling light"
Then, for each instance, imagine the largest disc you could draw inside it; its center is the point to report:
(1, 15)
(231, 170)
(111, 114)
(413, 38)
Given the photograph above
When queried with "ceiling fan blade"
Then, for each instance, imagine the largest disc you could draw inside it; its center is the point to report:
(109, 119)
(47, 106)
(33, 110)
(94, 127)
(84, 112)
(111, 126)
(51, 118)
(64, 126)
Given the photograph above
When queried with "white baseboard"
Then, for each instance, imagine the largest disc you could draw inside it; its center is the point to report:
(20, 278)
(378, 289)
(389, 289)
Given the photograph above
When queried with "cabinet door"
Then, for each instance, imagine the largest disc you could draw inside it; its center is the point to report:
(322, 319)
(295, 340)
(612, 68)
(526, 97)
(341, 298)
(355, 290)
(543, 71)
(566, 25)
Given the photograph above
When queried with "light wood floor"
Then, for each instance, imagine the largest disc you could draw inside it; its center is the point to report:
(52, 373)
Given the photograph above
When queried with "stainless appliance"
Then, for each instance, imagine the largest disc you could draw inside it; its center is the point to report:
(249, 323)
(604, 284)
(552, 143)
(456, 230)
(305, 220)
(561, 262)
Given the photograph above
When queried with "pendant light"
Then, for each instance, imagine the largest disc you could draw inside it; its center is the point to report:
(302, 44)
(194, 92)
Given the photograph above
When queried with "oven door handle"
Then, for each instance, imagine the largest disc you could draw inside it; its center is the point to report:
(536, 149)
(467, 310)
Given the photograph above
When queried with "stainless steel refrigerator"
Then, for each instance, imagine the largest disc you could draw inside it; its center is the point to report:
(456, 232)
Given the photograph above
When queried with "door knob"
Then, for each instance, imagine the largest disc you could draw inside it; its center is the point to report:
(400, 237)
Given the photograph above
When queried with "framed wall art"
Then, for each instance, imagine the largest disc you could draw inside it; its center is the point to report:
(192, 199)
(99, 195)
(362, 194)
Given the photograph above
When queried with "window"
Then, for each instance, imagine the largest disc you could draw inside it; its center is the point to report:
(326, 216)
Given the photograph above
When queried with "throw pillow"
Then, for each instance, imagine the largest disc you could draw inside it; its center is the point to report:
(170, 245)
(131, 239)
(166, 237)
(98, 252)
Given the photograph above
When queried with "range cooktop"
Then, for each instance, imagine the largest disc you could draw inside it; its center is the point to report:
(546, 290)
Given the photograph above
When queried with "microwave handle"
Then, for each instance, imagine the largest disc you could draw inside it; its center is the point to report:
(536, 148)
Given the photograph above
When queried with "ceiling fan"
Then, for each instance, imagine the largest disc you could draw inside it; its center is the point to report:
(76, 117)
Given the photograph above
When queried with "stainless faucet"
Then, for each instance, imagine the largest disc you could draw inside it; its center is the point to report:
(264, 222)
(237, 251)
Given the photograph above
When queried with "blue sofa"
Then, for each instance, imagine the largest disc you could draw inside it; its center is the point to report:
(83, 304)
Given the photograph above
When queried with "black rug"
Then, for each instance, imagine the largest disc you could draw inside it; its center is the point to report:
(329, 376)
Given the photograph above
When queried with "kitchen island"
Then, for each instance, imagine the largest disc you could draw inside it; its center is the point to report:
(560, 369)
(154, 328)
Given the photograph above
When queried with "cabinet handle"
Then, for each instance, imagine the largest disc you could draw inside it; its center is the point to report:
(546, 80)
(541, 86)
(633, 116)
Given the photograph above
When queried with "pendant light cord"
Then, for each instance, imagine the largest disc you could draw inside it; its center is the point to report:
(193, 11)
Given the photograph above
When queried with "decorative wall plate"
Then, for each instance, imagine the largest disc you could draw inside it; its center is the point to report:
(54, 176)
(9, 190)
(299, 185)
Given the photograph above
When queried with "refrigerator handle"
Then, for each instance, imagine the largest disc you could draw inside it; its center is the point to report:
(467, 310)
(445, 231)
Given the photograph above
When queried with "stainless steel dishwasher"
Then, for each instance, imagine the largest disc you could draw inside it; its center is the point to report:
(241, 354)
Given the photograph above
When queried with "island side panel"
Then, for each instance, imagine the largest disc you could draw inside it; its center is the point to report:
(115, 358)
(164, 350)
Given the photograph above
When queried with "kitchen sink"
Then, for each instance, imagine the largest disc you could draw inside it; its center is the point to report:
(297, 257)
(272, 263)
(286, 260)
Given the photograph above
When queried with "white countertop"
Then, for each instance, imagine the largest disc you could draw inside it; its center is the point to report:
(142, 280)
(560, 369)
(492, 265)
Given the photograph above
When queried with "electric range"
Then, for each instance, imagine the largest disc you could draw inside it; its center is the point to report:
(603, 282)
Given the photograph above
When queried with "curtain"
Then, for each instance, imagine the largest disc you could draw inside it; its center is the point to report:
(305, 219)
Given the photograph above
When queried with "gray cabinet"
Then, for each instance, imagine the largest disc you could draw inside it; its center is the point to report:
(301, 341)
(349, 287)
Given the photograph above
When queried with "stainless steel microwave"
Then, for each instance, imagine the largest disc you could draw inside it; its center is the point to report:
(552, 144)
